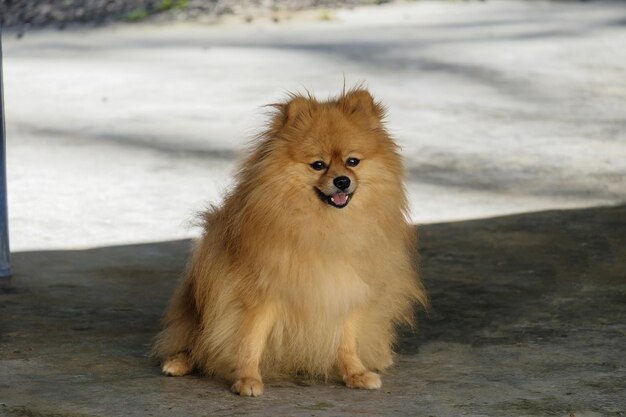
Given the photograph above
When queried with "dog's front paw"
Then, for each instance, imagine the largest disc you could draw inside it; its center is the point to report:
(248, 387)
(365, 380)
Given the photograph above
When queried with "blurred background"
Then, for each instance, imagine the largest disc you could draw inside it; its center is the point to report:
(125, 118)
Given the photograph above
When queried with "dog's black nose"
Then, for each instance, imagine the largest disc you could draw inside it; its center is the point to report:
(342, 182)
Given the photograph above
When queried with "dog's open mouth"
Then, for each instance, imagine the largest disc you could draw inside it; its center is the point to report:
(337, 200)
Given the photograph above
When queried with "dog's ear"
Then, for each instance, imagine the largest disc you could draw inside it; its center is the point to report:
(361, 103)
(296, 107)
(291, 111)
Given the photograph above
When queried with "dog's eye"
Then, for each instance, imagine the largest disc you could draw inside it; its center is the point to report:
(318, 165)
(352, 162)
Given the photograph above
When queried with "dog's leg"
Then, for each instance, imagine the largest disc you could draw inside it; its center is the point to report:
(181, 325)
(177, 365)
(354, 373)
(254, 336)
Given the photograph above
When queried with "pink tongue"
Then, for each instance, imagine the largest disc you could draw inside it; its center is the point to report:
(340, 198)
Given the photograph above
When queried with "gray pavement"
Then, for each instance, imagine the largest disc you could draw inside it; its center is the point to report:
(117, 136)
(528, 319)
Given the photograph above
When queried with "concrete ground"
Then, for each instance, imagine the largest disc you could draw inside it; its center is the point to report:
(504, 110)
(528, 319)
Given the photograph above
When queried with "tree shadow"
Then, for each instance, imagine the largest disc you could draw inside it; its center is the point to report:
(522, 278)
(165, 145)
(490, 281)
(405, 51)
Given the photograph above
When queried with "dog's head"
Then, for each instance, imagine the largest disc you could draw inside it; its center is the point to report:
(332, 154)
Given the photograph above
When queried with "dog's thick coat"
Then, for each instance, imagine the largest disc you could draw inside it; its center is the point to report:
(282, 281)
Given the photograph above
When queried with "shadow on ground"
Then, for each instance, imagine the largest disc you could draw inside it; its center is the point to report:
(528, 318)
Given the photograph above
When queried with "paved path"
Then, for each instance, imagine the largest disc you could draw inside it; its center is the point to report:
(121, 134)
(527, 319)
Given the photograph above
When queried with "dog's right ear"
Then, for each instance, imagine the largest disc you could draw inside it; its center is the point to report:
(296, 107)
(289, 112)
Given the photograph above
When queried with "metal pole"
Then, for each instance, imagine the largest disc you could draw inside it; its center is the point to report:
(5, 267)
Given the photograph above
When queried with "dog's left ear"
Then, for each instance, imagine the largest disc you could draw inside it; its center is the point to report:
(361, 103)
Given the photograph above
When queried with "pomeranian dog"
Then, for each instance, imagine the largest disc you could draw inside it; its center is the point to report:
(308, 266)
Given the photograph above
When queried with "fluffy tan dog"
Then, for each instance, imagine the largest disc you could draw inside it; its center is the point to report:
(308, 265)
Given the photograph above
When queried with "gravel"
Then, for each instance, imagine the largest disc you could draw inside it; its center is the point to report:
(26, 14)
